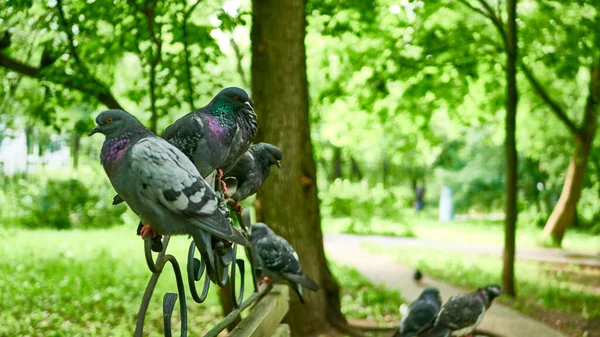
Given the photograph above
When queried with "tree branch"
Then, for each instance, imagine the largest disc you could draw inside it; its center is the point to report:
(239, 57)
(103, 96)
(186, 52)
(558, 111)
(488, 13)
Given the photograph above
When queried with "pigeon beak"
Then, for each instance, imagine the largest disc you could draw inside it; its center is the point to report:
(278, 164)
(95, 130)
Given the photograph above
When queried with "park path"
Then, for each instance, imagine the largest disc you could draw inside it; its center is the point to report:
(380, 269)
(554, 255)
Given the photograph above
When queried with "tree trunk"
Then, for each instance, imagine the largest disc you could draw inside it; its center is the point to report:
(564, 211)
(337, 163)
(288, 200)
(562, 215)
(227, 304)
(356, 171)
(508, 278)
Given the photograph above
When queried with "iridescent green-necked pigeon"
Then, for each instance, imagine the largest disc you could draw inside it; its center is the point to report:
(421, 314)
(160, 184)
(277, 260)
(462, 313)
(252, 170)
(217, 135)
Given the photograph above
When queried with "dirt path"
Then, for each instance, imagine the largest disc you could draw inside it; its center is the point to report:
(499, 320)
(554, 255)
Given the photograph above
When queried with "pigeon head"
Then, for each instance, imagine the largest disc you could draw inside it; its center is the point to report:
(237, 99)
(490, 292)
(113, 123)
(271, 152)
(259, 230)
(431, 293)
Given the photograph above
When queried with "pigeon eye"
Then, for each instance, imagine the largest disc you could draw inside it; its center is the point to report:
(236, 97)
(109, 120)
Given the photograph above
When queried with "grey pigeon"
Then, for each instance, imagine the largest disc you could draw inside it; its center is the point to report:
(217, 135)
(252, 170)
(421, 314)
(462, 313)
(277, 260)
(160, 184)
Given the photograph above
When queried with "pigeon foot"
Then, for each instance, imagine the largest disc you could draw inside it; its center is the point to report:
(238, 208)
(266, 280)
(147, 229)
(220, 179)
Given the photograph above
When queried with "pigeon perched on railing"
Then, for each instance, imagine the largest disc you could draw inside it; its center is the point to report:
(277, 260)
(462, 313)
(421, 314)
(252, 170)
(160, 184)
(216, 136)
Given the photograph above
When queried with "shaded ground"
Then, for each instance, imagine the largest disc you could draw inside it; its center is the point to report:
(500, 320)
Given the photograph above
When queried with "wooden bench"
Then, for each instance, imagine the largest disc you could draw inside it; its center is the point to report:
(264, 320)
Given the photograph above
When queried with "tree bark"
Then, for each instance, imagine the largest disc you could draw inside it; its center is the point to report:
(564, 211)
(288, 202)
(337, 163)
(508, 278)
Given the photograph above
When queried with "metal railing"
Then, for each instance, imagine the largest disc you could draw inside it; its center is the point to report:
(200, 271)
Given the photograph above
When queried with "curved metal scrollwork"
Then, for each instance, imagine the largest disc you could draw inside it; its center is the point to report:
(226, 269)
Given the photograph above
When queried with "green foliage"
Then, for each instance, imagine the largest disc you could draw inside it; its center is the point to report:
(36, 201)
(552, 286)
(363, 299)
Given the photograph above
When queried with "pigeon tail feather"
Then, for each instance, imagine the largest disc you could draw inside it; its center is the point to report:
(303, 280)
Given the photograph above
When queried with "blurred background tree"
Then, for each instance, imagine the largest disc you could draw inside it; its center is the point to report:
(399, 95)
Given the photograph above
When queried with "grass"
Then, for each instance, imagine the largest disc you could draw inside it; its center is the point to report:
(483, 232)
(567, 288)
(361, 299)
(91, 282)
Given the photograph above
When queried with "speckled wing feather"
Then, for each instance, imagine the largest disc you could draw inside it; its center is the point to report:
(165, 175)
(190, 135)
(460, 312)
(245, 173)
(277, 255)
(421, 315)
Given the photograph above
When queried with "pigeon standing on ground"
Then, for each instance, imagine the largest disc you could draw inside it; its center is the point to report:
(160, 184)
(217, 135)
(252, 170)
(421, 314)
(417, 275)
(462, 313)
(277, 260)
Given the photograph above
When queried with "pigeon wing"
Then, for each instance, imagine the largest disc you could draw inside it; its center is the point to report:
(166, 175)
(460, 311)
(421, 316)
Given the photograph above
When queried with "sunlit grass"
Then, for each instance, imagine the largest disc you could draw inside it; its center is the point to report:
(84, 283)
(570, 288)
(482, 232)
(91, 282)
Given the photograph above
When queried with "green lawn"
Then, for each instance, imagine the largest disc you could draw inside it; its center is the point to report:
(481, 232)
(90, 283)
(568, 288)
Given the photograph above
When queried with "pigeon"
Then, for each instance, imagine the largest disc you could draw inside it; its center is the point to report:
(252, 170)
(417, 275)
(160, 184)
(217, 135)
(277, 260)
(421, 314)
(462, 313)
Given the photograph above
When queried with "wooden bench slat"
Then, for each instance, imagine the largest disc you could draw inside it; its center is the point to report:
(264, 319)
